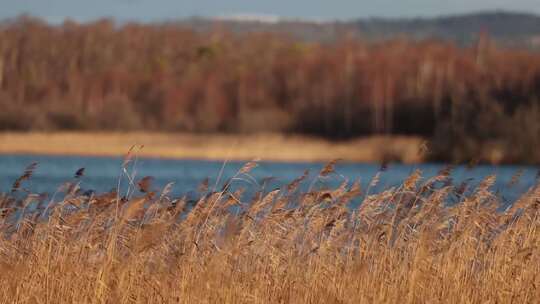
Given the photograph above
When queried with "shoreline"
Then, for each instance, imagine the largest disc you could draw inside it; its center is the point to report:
(232, 147)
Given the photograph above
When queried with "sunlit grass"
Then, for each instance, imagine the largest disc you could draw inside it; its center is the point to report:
(403, 245)
(268, 146)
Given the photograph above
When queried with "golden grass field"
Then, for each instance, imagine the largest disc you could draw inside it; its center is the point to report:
(281, 246)
(214, 147)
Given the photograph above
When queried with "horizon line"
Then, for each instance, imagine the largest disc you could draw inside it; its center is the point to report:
(249, 17)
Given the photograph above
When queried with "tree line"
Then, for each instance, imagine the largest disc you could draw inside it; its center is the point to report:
(107, 76)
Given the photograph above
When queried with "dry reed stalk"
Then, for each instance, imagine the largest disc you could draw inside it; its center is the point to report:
(402, 244)
(329, 168)
(26, 175)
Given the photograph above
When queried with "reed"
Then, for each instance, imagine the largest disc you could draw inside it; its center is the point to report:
(423, 242)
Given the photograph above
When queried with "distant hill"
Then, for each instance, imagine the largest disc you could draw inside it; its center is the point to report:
(506, 28)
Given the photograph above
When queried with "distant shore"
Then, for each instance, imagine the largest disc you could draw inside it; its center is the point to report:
(267, 147)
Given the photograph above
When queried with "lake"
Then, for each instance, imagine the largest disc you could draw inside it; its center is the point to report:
(102, 173)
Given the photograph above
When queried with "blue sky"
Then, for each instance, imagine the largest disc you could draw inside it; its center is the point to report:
(155, 10)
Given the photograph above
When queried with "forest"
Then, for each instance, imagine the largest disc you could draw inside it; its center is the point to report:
(170, 78)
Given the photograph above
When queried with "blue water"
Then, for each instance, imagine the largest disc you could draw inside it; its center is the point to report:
(103, 173)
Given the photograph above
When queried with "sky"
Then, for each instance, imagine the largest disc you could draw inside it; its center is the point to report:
(322, 10)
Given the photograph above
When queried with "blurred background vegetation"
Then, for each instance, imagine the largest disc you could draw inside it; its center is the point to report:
(470, 97)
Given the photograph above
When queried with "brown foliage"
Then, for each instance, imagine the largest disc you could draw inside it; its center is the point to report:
(107, 76)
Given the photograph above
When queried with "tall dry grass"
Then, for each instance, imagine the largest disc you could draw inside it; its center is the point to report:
(404, 245)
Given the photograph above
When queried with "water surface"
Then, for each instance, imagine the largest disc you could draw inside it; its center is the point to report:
(103, 173)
